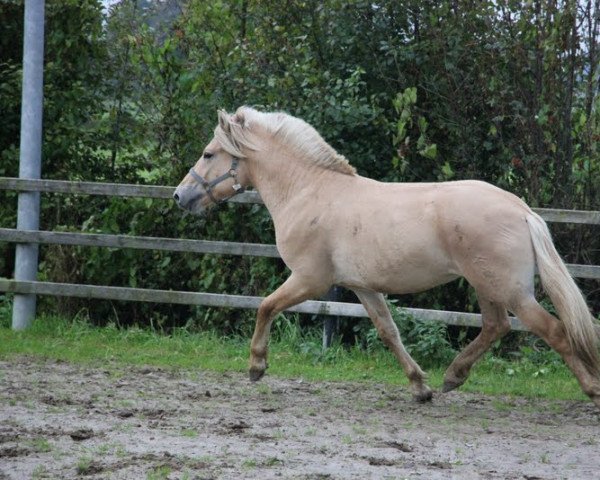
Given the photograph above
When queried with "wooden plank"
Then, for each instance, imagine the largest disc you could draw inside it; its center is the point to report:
(138, 242)
(89, 188)
(170, 296)
(590, 217)
(227, 301)
(584, 271)
(108, 189)
(151, 191)
(461, 319)
(184, 245)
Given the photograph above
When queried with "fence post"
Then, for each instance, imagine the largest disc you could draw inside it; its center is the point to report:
(30, 165)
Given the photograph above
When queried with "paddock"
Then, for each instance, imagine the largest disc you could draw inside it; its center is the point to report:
(60, 420)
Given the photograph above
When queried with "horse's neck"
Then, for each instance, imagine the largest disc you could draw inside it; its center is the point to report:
(284, 182)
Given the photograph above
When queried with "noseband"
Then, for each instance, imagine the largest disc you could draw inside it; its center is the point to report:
(208, 186)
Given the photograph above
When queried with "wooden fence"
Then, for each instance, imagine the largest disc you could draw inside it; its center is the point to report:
(208, 247)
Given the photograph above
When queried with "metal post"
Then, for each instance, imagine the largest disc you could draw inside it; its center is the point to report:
(30, 165)
(331, 323)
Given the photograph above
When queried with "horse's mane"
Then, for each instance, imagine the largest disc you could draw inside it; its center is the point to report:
(235, 132)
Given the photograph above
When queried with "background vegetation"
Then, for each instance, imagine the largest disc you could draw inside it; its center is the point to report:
(411, 90)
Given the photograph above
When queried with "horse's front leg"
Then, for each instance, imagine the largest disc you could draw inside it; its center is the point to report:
(379, 313)
(294, 290)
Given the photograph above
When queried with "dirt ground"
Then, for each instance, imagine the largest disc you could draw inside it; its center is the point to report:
(59, 420)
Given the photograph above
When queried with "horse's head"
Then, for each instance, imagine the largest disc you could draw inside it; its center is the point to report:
(220, 173)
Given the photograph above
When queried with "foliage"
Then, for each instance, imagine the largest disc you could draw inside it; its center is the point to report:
(404, 104)
(409, 91)
(5, 310)
(427, 342)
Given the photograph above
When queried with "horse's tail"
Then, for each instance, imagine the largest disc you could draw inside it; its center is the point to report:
(565, 295)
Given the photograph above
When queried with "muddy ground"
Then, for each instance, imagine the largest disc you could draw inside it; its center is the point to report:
(59, 420)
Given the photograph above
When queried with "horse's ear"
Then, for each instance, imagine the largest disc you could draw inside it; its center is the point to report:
(224, 120)
(239, 118)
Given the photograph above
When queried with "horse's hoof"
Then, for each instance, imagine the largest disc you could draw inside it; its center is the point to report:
(255, 374)
(448, 386)
(423, 396)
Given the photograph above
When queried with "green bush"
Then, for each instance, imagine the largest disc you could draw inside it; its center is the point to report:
(427, 342)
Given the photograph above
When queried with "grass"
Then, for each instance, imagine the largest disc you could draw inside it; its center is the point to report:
(292, 355)
(40, 445)
(84, 465)
(189, 432)
(159, 473)
(40, 471)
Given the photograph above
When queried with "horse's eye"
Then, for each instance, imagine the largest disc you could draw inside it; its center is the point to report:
(207, 155)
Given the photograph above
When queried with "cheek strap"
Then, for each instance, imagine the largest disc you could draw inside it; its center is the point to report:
(208, 186)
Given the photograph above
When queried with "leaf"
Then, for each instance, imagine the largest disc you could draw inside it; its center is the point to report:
(430, 151)
(208, 279)
(412, 94)
(447, 171)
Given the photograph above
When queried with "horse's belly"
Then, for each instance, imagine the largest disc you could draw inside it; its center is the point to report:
(394, 274)
(414, 282)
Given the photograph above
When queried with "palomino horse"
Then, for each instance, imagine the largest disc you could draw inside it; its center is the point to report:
(336, 227)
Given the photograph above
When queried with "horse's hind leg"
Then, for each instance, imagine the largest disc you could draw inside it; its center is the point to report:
(379, 313)
(494, 325)
(293, 291)
(546, 326)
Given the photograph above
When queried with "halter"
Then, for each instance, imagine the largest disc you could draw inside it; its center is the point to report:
(208, 186)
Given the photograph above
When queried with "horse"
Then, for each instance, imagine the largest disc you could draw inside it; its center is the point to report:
(335, 227)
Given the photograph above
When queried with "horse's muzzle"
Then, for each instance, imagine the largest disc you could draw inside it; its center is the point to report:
(186, 195)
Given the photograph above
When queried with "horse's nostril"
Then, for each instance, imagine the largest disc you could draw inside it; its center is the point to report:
(176, 197)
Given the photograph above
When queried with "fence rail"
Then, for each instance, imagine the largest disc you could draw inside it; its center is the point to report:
(209, 247)
(183, 245)
(136, 242)
(151, 191)
(106, 189)
(227, 301)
